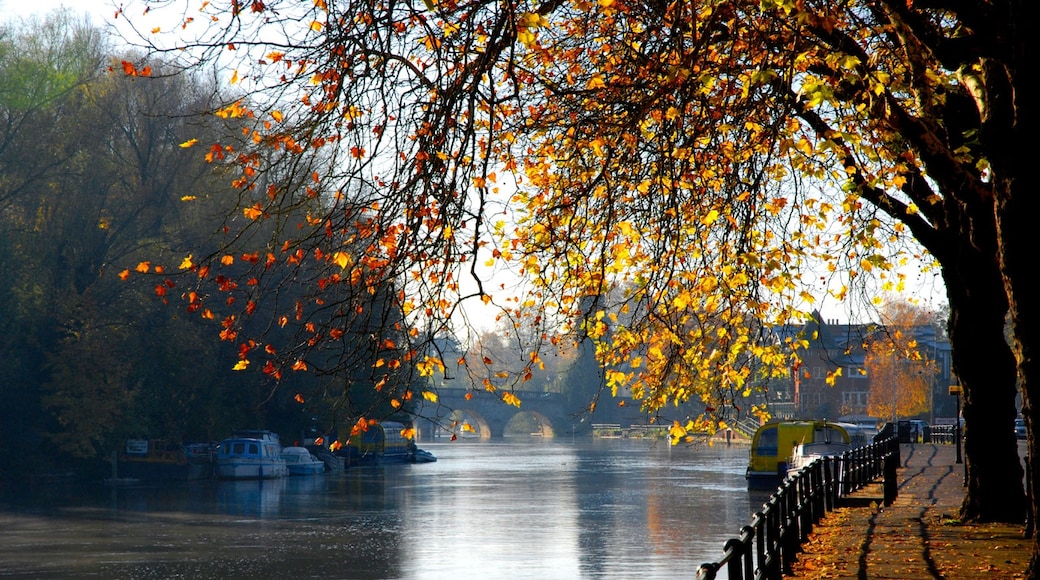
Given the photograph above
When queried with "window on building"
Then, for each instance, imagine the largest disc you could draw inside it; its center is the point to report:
(855, 372)
(855, 398)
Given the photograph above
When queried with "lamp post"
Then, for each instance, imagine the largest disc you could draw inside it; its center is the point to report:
(955, 390)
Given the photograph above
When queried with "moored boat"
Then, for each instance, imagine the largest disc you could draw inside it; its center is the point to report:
(774, 444)
(251, 454)
(299, 461)
(383, 443)
(162, 460)
(422, 456)
(806, 453)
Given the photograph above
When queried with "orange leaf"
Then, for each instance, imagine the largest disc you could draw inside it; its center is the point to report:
(253, 212)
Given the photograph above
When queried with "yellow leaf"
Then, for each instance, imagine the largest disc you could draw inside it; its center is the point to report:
(240, 365)
(186, 263)
(317, 26)
(430, 396)
(596, 82)
(343, 260)
(511, 399)
(277, 115)
(712, 216)
(189, 143)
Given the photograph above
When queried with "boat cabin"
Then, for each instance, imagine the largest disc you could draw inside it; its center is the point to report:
(250, 454)
(382, 442)
(774, 443)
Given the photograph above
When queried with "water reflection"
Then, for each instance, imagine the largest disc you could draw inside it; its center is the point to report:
(539, 509)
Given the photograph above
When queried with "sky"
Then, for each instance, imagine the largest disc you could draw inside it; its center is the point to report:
(99, 10)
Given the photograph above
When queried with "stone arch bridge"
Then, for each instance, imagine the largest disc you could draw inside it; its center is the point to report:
(487, 415)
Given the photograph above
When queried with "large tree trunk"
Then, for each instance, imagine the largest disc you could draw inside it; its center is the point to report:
(1016, 222)
(985, 365)
(1009, 132)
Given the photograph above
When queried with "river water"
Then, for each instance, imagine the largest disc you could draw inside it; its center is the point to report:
(516, 509)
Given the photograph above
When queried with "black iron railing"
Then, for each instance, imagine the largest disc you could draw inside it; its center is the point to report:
(945, 434)
(767, 546)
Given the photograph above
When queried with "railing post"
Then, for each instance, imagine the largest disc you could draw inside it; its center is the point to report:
(760, 539)
(891, 486)
(734, 569)
(747, 536)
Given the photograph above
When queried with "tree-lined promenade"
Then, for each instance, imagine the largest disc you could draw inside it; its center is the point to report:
(667, 180)
(919, 536)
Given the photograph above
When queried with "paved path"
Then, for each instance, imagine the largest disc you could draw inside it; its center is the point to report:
(918, 536)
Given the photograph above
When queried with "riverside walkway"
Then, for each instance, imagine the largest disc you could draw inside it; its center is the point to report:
(918, 536)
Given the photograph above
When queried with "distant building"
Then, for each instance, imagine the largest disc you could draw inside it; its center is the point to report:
(832, 345)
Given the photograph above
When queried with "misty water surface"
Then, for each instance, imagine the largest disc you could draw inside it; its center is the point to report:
(553, 508)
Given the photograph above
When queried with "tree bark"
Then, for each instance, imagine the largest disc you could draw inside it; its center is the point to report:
(985, 365)
(1016, 222)
(1009, 134)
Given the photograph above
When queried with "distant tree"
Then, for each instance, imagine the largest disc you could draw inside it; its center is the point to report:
(899, 387)
(901, 376)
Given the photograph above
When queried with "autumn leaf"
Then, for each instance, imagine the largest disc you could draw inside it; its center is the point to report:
(343, 260)
(189, 143)
(253, 212)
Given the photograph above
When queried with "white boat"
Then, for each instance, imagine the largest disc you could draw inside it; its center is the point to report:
(806, 453)
(299, 461)
(254, 454)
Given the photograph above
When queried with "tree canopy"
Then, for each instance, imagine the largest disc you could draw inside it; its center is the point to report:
(665, 173)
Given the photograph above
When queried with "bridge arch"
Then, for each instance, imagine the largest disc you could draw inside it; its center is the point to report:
(529, 423)
(466, 413)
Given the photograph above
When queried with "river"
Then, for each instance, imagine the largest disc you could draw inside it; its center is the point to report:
(517, 509)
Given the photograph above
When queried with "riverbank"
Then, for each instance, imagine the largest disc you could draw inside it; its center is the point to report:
(918, 536)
